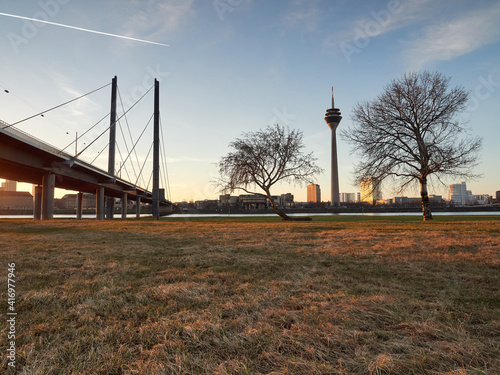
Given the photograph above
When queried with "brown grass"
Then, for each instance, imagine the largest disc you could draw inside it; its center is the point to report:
(241, 296)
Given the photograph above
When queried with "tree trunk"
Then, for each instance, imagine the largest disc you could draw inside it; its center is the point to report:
(426, 204)
(281, 213)
(275, 208)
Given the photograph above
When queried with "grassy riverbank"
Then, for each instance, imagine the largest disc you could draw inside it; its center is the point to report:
(338, 295)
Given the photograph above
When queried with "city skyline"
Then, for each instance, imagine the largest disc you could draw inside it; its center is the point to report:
(457, 193)
(243, 66)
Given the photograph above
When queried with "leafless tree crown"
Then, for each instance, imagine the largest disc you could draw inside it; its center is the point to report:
(265, 157)
(412, 131)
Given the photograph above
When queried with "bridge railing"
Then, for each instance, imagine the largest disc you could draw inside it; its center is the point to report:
(5, 127)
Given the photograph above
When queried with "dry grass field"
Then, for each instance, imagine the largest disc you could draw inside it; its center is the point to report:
(341, 295)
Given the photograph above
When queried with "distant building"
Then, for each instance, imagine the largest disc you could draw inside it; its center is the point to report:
(206, 204)
(250, 202)
(69, 202)
(285, 200)
(497, 196)
(459, 195)
(227, 200)
(436, 199)
(401, 200)
(481, 199)
(370, 192)
(16, 200)
(9, 186)
(347, 197)
(406, 201)
(313, 193)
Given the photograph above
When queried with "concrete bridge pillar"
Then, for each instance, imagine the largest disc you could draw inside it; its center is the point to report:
(79, 206)
(110, 207)
(124, 205)
(100, 203)
(138, 208)
(37, 203)
(48, 186)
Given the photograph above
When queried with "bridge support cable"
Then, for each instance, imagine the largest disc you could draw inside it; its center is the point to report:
(156, 152)
(118, 119)
(135, 144)
(121, 158)
(142, 167)
(149, 181)
(110, 201)
(29, 104)
(58, 106)
(99, 154)
(97, 123)
(91, 143)
(164, 163)
(127, 149)
(130, 135)
(164, 175)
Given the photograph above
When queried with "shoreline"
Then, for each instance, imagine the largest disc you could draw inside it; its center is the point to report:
(336, 210)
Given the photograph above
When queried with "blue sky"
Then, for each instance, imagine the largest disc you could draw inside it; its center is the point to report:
(234, 66)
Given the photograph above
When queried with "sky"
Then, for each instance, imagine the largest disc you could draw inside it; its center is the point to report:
(235, 66)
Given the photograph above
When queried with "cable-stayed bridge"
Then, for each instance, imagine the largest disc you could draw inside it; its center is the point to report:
(24, 158)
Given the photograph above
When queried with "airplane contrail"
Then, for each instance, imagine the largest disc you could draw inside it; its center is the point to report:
(82, 29)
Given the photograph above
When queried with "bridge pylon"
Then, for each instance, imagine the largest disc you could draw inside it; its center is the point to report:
(110, 201)
(156, 152)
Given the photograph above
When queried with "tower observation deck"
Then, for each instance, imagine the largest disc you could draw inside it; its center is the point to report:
(333, 118)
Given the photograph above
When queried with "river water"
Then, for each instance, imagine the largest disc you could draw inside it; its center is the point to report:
(131, 216)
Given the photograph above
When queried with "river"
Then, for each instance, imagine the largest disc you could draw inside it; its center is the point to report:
(131, 216)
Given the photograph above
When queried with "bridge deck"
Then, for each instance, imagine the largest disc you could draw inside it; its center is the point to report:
(27, 159)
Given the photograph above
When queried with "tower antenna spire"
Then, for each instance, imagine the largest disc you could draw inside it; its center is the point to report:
(333, 104)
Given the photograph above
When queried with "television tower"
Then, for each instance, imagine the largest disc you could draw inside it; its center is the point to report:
(332, 118)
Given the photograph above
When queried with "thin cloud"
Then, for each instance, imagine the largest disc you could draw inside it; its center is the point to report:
(455, 38)
(383, 20)
(157, 18)
(304, 14)
(83, 29)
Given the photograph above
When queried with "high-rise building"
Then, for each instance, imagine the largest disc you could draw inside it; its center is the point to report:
(313, 193)
(286, 200)
(332, 118)
(370, 192)
(459, 193)
(348, 197)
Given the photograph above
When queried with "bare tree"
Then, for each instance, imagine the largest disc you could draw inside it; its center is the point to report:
(263, 158)
(412, 131)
